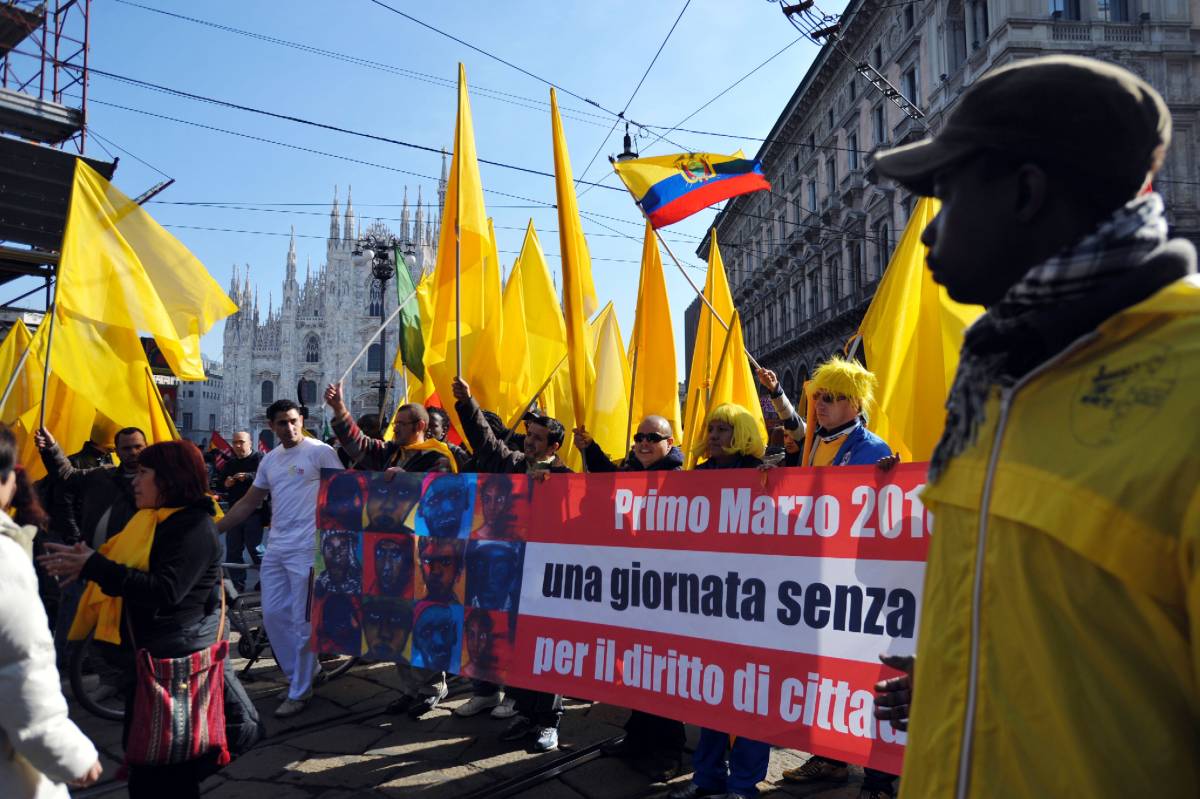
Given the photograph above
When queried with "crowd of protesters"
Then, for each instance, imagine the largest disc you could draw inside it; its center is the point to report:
(1058, 640)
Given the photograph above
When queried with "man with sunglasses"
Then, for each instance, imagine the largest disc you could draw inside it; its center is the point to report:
(654, 744)
(841, 391)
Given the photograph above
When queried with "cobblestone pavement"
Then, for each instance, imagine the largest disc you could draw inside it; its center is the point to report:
(344, 745)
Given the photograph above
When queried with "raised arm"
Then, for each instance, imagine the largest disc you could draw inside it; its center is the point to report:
(57, 465)
(479, 433)
(783, 407)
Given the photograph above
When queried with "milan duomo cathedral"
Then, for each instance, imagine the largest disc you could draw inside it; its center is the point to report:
(274, 352)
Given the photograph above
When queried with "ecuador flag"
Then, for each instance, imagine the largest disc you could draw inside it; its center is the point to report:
(673, 187)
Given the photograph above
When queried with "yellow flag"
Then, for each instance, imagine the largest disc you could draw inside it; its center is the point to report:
(159, 424)
(515, 381)
(119, 267)
(460, 277)
(654, 385)
(608, 409)
(557, 404)
(546, 332)
(579, 294)
(710, 339)
(911, 336)
(486, 368)
(26, 385)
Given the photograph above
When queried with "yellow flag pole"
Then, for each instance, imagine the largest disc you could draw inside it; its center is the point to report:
(12, 380)
(700, 293)
(46, 369)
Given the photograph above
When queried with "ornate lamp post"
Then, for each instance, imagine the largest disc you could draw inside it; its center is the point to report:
(376, 252)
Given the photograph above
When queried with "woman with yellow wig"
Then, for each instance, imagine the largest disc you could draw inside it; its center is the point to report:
(731, 441)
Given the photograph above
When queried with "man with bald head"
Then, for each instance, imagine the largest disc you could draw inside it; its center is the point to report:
(653, 743)
(235, 477)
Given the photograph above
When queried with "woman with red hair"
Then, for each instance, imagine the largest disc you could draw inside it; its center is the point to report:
(170, 595)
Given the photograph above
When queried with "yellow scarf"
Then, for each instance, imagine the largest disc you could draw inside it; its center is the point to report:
(130, 547)
(439, 447)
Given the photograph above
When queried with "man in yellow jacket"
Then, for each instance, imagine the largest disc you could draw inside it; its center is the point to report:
(1060, 632)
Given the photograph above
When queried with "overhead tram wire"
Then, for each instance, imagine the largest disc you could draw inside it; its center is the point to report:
(632, 95)
(309, 122)
(424, 77)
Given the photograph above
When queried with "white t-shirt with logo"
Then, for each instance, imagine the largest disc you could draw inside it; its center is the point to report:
(293, 476)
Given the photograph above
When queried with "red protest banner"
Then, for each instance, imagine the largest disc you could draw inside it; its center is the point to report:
(754, 603)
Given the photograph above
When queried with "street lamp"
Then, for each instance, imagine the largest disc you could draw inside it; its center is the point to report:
(375, 251)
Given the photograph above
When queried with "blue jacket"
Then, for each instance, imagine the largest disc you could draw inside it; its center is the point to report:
(861, 448)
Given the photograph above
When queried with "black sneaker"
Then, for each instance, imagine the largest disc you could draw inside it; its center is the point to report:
(519, 729)
(425, 704)
(401, 705)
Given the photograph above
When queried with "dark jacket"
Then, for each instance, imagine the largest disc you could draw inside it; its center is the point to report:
(596, 461)
(375, 454)
(741, 462)
(491, 454)
(177, 591)
(99, 489)
(249, 465)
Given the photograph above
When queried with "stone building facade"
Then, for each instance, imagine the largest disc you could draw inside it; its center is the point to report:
(306, 342)
(804, 259)
(199, 404)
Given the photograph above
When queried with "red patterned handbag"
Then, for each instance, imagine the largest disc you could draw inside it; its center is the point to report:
(179, 705)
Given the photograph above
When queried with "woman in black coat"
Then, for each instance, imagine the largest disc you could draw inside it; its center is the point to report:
(172, 609)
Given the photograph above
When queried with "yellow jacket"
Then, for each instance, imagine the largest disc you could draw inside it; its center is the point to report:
(1060, 631)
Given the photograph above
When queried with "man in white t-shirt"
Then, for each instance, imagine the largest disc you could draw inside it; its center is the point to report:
(291, 473)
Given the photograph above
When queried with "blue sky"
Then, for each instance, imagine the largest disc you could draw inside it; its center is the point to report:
(597, 50)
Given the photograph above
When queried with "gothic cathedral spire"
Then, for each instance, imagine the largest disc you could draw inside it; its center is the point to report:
(350, 231)
(334, 231)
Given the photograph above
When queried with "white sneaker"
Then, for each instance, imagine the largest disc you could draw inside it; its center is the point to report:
(546, 739)
(290, 707)
(505, 710)
(477, 704)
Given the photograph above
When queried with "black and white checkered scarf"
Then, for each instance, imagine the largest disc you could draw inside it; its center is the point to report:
(1005, 343)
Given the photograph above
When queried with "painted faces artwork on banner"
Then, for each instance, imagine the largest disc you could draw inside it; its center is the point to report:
(487, 644)
(437, 636)
(339, 563)
(447, 506)
(387, 627)
(337, 624)
(504, 506)
(391, 498)
(389, 565)
(441, 572)
(494, 574)
(342, 500)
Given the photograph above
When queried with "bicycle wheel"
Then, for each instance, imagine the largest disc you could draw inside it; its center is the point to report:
(90, 686)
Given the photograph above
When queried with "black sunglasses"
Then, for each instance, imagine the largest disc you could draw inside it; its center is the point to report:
(653, 438)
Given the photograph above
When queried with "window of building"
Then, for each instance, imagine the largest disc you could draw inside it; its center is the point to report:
(374, 357)
(852, 151)
(376, 306)
(977, 22)
(781, 182)
(883, 247)
(878, 125)
(187, 421)
(797, 303)
(910, 85)
(956, 37)
(854, 264)
(910, 16)
(812, 143)
(831, 175)
(853, 90)
(268, 392)
(832, 274)
(814, 292)
(308, 392)
(1065, 9)
(212, 421)
(312, 349)
(1113, 10)
(812, 196)
(878, 55)
(795, 163)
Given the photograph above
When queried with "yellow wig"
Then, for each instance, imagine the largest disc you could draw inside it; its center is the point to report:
(846, 378)
(746, 438)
